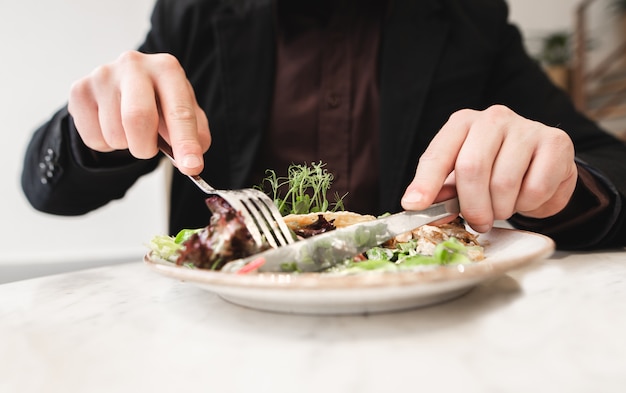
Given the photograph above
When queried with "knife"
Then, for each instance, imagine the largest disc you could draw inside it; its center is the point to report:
(322, 251)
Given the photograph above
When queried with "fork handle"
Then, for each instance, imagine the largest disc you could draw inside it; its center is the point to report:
(165, 148)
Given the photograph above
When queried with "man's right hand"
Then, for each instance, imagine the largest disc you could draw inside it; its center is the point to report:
(125, 104)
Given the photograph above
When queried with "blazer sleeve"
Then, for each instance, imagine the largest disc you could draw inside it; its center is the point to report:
(519, 82)
(58, 179)
(61, 175)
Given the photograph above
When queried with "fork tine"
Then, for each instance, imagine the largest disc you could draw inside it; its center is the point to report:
(249, 220)
(278, 223)
(260, 220)
(271, 216)
(259, 213)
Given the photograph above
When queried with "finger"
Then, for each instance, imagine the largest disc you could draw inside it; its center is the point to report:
(474, 168)
(437, 162)
(551, 178)
(179, 114)
(111, 123)
(448, 190)
(106, 92)
(509, 170)
(139, 114)
(204, 133)
(557, 202)
(84, 110)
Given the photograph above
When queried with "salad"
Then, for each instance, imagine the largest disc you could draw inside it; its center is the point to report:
(308, 212)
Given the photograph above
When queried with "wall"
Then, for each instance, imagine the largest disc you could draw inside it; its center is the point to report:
(45, 45)
(604, 31)
(538, 18)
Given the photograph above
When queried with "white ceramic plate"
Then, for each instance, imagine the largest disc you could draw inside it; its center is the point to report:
(314, 293)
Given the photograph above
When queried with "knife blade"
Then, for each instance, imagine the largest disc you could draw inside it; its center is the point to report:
(322, 251)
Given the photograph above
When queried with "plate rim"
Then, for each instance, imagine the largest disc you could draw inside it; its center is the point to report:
(481, 270)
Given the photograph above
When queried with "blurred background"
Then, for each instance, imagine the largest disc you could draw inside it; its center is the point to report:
(46, 45)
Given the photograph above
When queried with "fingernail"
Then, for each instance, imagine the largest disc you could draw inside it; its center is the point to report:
(191, 161)
(412, 197)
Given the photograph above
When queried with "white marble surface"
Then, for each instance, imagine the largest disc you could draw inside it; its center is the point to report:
(556, 326)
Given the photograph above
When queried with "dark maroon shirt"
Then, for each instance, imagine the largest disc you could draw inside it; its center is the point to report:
(326, 99)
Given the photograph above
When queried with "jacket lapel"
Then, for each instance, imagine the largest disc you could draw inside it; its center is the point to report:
(413, 37)
(246, 47)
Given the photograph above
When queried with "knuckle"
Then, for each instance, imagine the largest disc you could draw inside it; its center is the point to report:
(561, 140)
(495, 116)
(79, 88)
(137, 112)
(80, 98)
(469, 168)
(536, 191)
(102, 74)
(139, 118)
(130, 57)
(502, 185)
(181, 113)
(167, 62)
(428, 156)
(498, 112)
(460, 115)
(188, 145)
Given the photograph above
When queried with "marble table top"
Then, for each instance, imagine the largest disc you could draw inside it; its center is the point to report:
(558, 325)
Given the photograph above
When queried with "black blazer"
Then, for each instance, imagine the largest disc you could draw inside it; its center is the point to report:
(437, 56)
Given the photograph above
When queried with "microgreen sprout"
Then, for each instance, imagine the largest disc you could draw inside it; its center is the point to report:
(306, 188)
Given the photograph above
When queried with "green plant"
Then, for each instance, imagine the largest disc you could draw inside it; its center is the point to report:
(555, 49)
(304, 189)
(618, 5)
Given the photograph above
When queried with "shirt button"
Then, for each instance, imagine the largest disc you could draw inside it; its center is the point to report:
(48, 166)
(49, 155)
(333, 100)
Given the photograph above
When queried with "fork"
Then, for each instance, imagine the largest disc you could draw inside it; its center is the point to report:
(260, 214)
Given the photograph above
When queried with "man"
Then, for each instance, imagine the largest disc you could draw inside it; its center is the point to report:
(376, 89)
